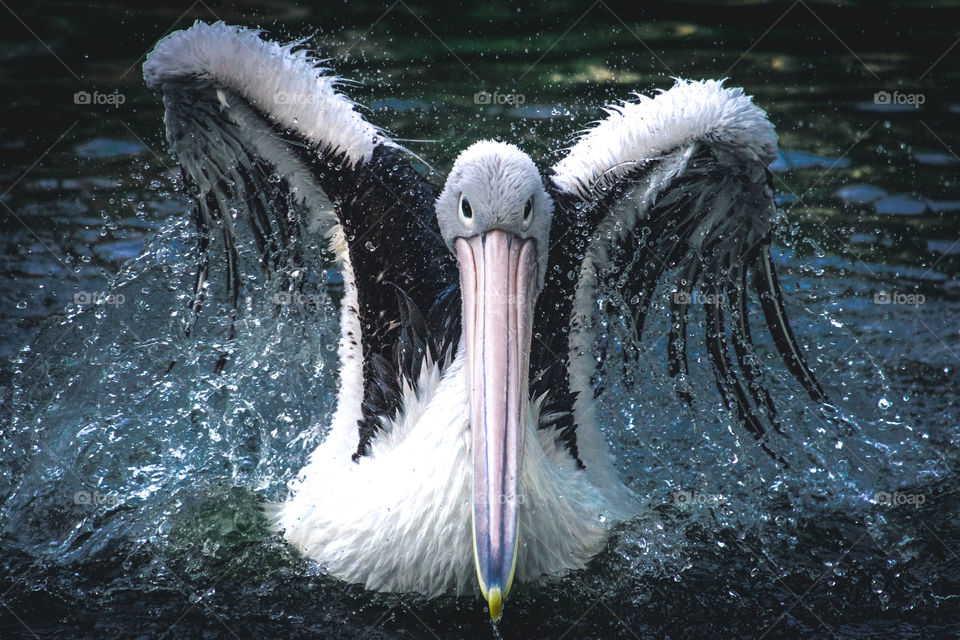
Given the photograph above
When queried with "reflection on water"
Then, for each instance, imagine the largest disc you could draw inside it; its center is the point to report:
(129, 485)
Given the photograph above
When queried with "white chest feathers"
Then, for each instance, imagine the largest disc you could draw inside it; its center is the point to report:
(400, 519)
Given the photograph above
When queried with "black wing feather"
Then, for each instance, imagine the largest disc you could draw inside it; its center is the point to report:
(257, 181)
(711, 227)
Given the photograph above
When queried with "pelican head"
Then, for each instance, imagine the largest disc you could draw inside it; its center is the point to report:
(495, 214)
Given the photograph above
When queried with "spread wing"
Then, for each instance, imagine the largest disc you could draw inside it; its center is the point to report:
(674, 186)
(266, 141)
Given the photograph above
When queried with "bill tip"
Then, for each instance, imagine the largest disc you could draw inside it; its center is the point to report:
(495, 600)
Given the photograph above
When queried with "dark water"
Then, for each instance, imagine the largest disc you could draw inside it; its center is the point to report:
(130, 494)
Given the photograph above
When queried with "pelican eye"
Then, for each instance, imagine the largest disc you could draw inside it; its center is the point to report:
(528, 210)
(466, 211)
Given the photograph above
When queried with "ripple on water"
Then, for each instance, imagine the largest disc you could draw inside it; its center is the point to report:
(790, 160)
(900, 205)
(935, 158)
(944, 247)
(860, 193)
(119, 250)
(61, 185)
(944, 206)
(109, 148)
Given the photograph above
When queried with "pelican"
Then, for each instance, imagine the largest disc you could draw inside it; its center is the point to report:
(463, 451)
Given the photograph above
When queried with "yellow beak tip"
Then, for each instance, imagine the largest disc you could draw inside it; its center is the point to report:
(495, 600)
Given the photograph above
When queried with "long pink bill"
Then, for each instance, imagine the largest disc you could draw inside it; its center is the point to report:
(498, 275)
